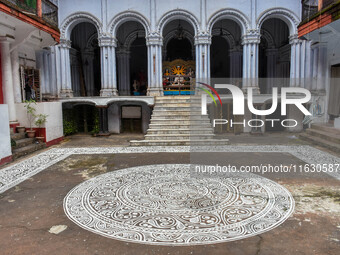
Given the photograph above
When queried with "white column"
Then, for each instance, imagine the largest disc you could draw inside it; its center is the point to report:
(154, 43)
(65, 68)
(123, 58)
(46, 70)
(308, 68)
(39, 57)
(108, 66)
(202, 43)
(322, 67)
(294, 61)
(250, 44)
(16, 76)
(7, 81)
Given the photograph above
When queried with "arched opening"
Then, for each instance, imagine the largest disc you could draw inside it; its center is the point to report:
(85, 60)
(131, 59)
(226, 50)
(274, 62)
(274, 55)
(219, 55)
(179, 49)
(178, 57)
(80, 118)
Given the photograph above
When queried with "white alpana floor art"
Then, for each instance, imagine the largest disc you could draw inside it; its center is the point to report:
(163, 205)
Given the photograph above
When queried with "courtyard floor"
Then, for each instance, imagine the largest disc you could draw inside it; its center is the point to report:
(97, 195)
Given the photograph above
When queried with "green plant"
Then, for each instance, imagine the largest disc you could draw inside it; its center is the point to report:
(30, 111)
(70, 127)
(95, 129)
(42, 118)
(69, 122)
(13, 142)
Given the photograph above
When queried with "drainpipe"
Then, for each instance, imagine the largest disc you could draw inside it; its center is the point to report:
(39, 9)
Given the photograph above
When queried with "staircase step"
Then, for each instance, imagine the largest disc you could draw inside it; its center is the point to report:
(326, 128)
(23, 142)
(18, 136)
(324, 135)
(179, 117)
(210, 142)
(335, 147)
(180, 131)
(178, 125)
(176, 112)
(27, 150)
(178, 136)
(175, 97)
(176, 121)
(177, 105)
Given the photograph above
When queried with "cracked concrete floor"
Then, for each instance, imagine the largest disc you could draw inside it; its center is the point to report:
(32, 220)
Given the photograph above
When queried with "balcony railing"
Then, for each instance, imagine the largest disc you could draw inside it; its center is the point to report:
(326, 3)
(49, 12)
(311, 7)
(41, 8)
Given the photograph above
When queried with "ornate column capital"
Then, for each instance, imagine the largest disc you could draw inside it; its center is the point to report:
(203, 38)
(154, 39)
(252, 37)
(294, 39)
(107, 41)
(64, 43)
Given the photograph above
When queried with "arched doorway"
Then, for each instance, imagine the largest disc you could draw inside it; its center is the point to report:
(226, 50)
(85, 60)
(131, 59)
(274, 55)
(274, 62)
(178, 57)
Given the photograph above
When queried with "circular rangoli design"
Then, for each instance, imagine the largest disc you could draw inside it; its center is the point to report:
(163, 205)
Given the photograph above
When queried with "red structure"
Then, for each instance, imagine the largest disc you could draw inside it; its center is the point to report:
(1, 92)
(319, 15)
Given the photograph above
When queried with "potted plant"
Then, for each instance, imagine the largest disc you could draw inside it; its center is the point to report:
(30, 111)
(21, 129)
(40, 121)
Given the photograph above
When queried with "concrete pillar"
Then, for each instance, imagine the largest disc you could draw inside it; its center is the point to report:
(103, 121)
(16, 76)
(65, 68)
(322, 68)
(108, 66)
(7, 81)
(123, 58)
(202, 44)
(46, 71)
(295, 61)
(114, 118)
(146, 115)
(155, 85)
(250, 44)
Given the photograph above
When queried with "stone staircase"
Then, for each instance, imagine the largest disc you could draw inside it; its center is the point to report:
(176, 121)
(324, 135)
(24, 146)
